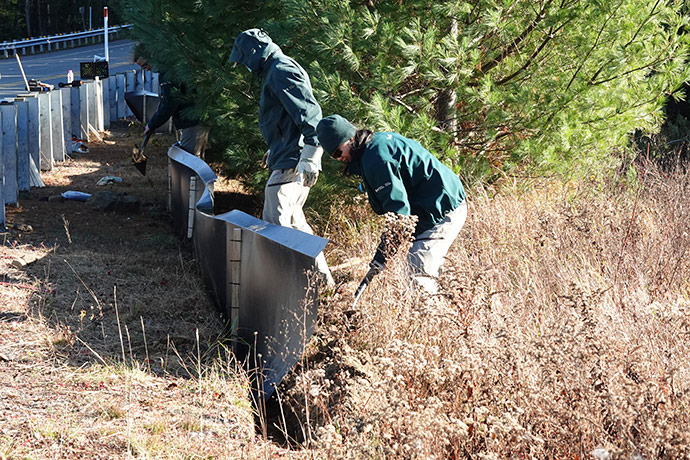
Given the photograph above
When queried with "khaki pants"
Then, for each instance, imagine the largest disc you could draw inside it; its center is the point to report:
(283, 203)
(194, 140)
(429, 249)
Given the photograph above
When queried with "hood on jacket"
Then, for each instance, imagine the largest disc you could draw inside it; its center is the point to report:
(252, 48)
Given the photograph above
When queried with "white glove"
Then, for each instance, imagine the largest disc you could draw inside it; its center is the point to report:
(309, 165)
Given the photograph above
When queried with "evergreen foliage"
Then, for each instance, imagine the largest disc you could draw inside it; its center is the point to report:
(191, 42)
(542, 84)
(487, 85)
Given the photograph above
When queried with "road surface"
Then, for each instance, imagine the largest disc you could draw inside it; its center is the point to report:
(52, 67)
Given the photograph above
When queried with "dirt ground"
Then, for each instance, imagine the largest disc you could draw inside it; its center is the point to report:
(104, 317)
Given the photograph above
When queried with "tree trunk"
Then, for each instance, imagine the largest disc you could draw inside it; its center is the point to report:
(447, 100)
(39, 16)
(27, 17)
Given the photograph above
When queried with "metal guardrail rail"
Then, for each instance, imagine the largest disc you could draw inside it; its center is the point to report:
(54, 42)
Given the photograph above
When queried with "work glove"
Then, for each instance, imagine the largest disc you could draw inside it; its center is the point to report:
(309, 165)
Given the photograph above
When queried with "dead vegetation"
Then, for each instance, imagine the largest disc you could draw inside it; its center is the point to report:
(562, 332)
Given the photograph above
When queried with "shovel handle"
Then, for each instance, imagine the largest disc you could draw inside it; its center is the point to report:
(146, 140)
(364, 283)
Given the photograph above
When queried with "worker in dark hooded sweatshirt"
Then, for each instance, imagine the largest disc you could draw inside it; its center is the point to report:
(402, 177)
(288, 114)
(175, 102)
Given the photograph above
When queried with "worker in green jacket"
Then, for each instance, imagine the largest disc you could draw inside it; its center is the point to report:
(288, 114)
(402, 177)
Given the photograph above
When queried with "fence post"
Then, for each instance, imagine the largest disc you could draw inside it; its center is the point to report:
(84, 112)
(9, 151)
(23, 171)
(233, 246)
(192, 205)
(67, 119)
(121, 88)
(57, 125)
(45, 132)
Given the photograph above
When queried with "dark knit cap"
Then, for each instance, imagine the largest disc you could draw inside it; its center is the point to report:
(333, 131)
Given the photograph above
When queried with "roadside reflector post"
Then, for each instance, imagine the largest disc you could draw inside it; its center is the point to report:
(105, 31)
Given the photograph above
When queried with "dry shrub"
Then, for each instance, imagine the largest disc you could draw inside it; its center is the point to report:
(562, 329)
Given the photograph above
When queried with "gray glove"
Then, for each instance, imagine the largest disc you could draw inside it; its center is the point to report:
(309, 165)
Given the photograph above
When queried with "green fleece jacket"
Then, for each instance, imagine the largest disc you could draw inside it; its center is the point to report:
(401, 176)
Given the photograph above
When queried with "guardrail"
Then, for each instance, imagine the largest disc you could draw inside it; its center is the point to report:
(60, 41)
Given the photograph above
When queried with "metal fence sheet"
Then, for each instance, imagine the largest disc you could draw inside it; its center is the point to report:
(276, 300)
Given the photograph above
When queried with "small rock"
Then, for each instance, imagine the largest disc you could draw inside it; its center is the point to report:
(110, 201)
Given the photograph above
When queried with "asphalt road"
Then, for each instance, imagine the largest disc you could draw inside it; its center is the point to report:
(52, 67)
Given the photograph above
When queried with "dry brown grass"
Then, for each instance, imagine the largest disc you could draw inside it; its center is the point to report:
(110, 347)
(563, 329)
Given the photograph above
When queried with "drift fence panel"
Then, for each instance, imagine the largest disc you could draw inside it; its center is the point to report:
(45, 132)
(2, 180)
(23, 182)
(130, 85)
(34, 135)
(57, 125)
(67, 119)
(9, 149)
(271, 303)
(121, 89)
(105, 97)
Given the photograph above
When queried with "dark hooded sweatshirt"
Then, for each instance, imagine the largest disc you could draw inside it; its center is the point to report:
(288, 111)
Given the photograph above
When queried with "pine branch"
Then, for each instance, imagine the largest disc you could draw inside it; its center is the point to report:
(515, 44)
(594, 46)
(535, 53)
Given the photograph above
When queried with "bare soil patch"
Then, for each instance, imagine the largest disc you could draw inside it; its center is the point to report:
(106, 328)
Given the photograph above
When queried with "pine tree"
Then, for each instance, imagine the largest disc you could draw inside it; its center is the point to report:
(543, 83)
(191, 42)
(486, 85)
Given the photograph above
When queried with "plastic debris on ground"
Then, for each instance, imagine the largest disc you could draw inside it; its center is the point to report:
(109, 180)
(79, 146)
(75, 195)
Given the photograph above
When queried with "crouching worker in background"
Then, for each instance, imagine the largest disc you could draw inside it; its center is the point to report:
(175, 102)
(288, 114)
(402, 177)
